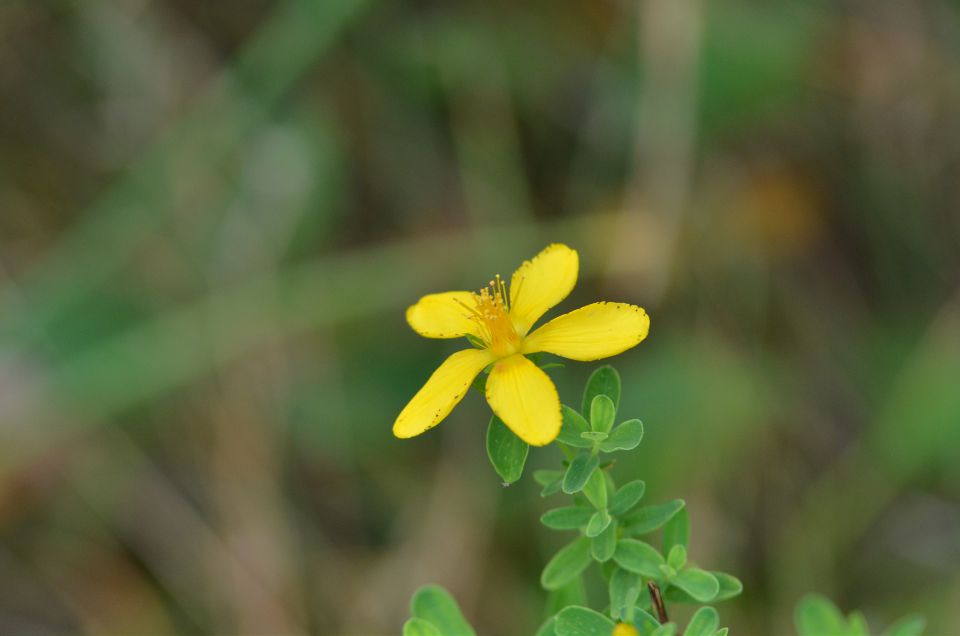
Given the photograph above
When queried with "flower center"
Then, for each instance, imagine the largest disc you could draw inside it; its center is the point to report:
(492, 313)
(625, 629)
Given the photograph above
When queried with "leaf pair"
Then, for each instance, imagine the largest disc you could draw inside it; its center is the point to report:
(599, 433)
(436, 613)
(818, 616)
(583, 621)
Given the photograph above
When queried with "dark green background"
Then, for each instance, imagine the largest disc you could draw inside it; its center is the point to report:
(213, 215)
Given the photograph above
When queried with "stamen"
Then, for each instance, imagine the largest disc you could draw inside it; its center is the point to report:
(492, 314)
(502, 286)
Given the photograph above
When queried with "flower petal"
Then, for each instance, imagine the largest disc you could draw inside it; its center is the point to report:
(524, 397)
(443, 315)
(541, 283)
(596, 331)
(445, 388)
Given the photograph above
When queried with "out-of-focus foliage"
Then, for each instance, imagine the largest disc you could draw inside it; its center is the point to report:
(214, 214)
(817, 616)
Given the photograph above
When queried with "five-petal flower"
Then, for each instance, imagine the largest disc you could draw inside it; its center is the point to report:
(500, 317)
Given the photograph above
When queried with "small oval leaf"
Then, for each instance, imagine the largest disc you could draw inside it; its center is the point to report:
(677, 557)
(704, 623)
(699, 584)
(730, 586)
(637, 556)
(644, 621)
(603, 381)
(624, 590)
(602, 414)
(567, 518)
(545, 477)
(582, 621)
(626, 497)
(625, 436)
(605, 543)
(420, 627)
(595, 490)
(507, 452)
(573, 426)
(552, 488)
(907, 626)
(435, 605)
(817, 616)
(566, 564)
(598, 523)
(578, 472)
(649, 518)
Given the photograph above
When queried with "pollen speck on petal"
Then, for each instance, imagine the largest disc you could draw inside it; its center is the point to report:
(598, 330)
(445, 388)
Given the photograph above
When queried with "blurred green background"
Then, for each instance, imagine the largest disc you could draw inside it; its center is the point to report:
(213, 215)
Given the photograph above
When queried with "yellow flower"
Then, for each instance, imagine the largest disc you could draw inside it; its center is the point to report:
(519, 392)
(625, 629)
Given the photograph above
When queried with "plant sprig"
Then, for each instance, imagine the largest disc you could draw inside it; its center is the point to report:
(642, 580)
(613, 531)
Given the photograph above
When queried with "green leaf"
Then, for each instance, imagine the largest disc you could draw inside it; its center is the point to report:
(552, 488)
(669, 629)
(649, 518)
(567, 518)
(817, 616)
(507, 452)
(674, 594)
(644, 621)
(625, 436)
(730, 586)
(598, 523)
(723, 631)
(434, 604)
(677, 531)
(857, 625)
(677, 557)
(551, 480)
(546, 477)
(907, 626)
(593, 436)
(548, 628)
(596, 490)
(637, 556)
(420, 627)
(578, 472)
(566, 564)
(573, 426)
(605, 543)
(582, 621)
(603, 381)
(624, 589)
(704, 623)
(699, 584)
(602, 414)
(627, 497)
